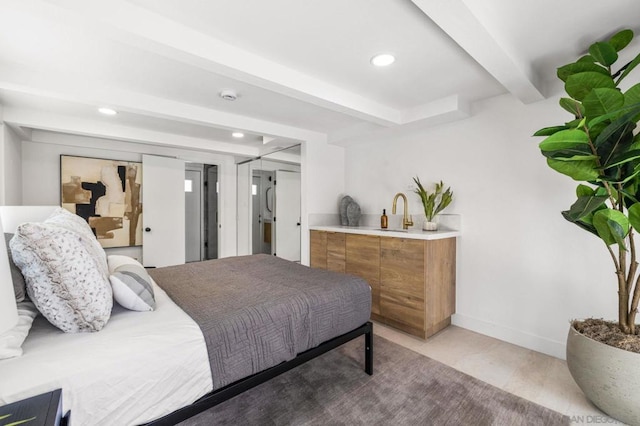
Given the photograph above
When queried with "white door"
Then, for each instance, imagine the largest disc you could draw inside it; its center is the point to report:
(163, 211)
(287, 215)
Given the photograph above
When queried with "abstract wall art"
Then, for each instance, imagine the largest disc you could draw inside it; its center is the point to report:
(107, 194)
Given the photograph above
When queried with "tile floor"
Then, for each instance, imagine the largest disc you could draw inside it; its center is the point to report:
(532, 375)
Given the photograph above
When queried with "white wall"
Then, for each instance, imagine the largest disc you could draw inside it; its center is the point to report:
(2, 161)
(322, 180)
(41, 173)
(523, 271)
(11, 172)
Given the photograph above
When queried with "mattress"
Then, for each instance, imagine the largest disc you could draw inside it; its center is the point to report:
(258, 311)
(141, 366)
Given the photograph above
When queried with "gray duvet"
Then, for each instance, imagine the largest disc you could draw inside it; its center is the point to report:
(258, 311)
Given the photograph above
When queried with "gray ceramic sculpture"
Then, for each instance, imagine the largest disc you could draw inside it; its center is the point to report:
(344, 202)
(353, 214)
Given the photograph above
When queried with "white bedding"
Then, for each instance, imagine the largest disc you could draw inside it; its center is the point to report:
(141, 366)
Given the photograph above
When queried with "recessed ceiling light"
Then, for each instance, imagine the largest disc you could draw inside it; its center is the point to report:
(237, 134)
(107, 111)
(383, 59)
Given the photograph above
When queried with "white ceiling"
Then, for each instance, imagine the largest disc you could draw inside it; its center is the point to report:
(301, 68)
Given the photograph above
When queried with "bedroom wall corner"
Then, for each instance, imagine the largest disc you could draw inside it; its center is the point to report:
(323, 179)
(523, 271)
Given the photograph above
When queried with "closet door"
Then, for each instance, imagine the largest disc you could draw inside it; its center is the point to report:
(163, 211)
(287, 215)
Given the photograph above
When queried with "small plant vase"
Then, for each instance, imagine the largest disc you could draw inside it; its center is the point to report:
(430, 226)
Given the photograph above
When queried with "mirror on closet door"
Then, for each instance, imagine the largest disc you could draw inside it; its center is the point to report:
(269, 204)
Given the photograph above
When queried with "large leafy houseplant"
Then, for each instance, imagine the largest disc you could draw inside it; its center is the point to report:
(600, 147)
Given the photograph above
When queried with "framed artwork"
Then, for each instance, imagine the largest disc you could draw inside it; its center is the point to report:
(105, 193)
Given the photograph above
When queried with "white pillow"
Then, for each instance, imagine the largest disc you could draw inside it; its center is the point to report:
(115, 260)
(66, 275)
(11, 340)
(132, 286)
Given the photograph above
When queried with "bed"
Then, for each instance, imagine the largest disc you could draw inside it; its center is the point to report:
(237, 323)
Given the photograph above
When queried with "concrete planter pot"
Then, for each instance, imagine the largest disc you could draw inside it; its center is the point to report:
(430, 226)
(608, 376)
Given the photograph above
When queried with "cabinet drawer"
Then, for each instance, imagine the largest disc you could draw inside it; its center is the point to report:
(318, 249)
(403, 298)
(390, 308)
(402, 269)
(363, 260)
(336, 252)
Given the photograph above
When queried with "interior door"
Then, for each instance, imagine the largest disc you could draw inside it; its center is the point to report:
(193, 215)
(163, 211)
(256, 216)
(212, 211)
(287, 215)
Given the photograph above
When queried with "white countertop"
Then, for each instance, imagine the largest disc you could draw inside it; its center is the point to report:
(414, 233)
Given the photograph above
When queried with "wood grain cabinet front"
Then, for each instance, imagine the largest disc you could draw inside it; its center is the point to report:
(402, 290)
(336, 251)
(318, 249)
(327, 250)
(363, 260)
(412, 281)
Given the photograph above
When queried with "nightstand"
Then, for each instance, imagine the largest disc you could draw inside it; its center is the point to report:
(44, 410)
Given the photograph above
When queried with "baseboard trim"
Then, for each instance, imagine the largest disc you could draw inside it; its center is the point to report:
(511, 335)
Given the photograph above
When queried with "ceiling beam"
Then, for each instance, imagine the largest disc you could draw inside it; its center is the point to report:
(70, 88)
(42, 120)
(484, 46)
(142, 28)
(440, 111)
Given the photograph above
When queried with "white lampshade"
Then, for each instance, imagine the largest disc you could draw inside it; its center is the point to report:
(8, 307)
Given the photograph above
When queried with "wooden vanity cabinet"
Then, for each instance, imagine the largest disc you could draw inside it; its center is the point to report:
(412, 280)
(336, 252)
(328, 250)
(402, 289)
(363, 260)
(318, 249)
(417, 284)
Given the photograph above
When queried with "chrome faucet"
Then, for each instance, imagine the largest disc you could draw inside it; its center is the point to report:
(407, 220)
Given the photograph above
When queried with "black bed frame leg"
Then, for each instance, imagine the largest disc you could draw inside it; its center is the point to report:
(368, 350)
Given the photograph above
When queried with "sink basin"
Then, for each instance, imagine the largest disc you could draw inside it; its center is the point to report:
(393, 230)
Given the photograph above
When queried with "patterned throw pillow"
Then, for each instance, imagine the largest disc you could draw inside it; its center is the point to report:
(66, 275)
(132, 288)
(72, 222)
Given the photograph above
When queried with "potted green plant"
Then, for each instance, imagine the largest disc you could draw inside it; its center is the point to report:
(600, 148)
(433, 203)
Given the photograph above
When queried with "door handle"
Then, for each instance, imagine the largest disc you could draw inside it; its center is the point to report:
(147, 229)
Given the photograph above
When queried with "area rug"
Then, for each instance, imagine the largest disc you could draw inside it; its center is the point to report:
(406, 389)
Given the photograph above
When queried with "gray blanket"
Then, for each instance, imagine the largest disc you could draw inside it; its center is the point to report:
(258, 311)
